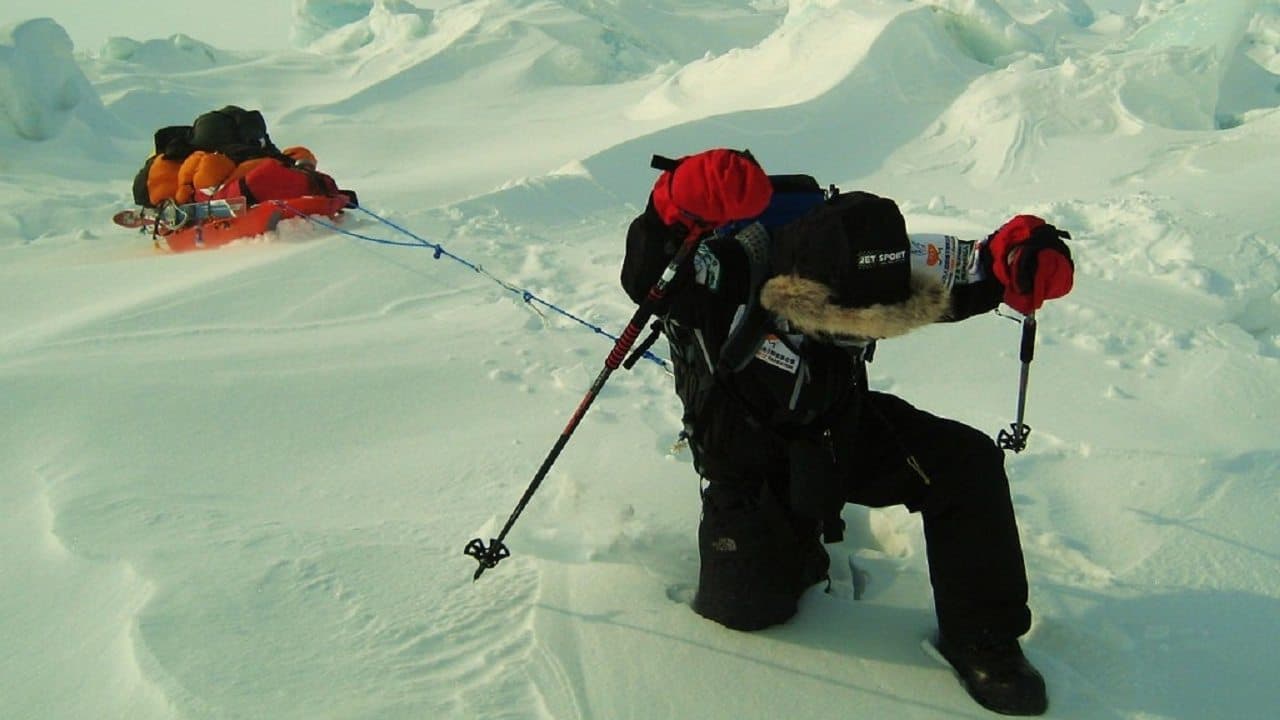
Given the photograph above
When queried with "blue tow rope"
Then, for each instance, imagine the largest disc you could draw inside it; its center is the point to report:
(439, 251)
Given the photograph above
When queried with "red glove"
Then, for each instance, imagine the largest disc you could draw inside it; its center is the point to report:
(712, 188)
(1030, 259)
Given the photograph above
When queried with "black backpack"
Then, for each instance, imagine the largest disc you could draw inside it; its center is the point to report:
(235, 132)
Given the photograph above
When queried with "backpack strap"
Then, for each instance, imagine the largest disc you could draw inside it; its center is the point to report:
(662, 162)
(747, 336)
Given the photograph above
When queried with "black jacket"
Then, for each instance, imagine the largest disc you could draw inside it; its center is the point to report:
(805, 378)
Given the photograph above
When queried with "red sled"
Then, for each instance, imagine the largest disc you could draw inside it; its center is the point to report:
(262, 218)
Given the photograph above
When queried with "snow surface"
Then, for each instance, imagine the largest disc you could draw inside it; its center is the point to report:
(237, 484)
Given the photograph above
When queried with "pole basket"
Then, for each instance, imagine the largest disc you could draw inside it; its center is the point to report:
(488, 556)
(1014, 437)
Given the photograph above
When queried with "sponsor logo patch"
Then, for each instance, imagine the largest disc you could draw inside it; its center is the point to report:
(868, 260)
(706, 268)
(776, 353)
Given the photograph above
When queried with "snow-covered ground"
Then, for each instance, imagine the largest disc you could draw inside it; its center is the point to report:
(237, 483)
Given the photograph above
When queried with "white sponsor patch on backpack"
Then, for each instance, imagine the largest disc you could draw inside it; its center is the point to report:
(776, 353)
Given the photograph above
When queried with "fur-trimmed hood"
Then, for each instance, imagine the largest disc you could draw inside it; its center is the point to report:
(809, 307)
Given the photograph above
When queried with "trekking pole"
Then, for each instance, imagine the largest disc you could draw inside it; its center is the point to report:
(1015, 438)
(490, 555)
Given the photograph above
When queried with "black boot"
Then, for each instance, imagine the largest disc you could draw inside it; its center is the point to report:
(756, 561)
(997, 675)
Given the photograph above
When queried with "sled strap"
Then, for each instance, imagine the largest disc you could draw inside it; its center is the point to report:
(249, 199)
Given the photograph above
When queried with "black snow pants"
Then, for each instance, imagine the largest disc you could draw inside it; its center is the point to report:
(891, 453)
(954, 476)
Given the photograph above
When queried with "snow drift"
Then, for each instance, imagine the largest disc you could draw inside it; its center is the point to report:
(238, 484)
